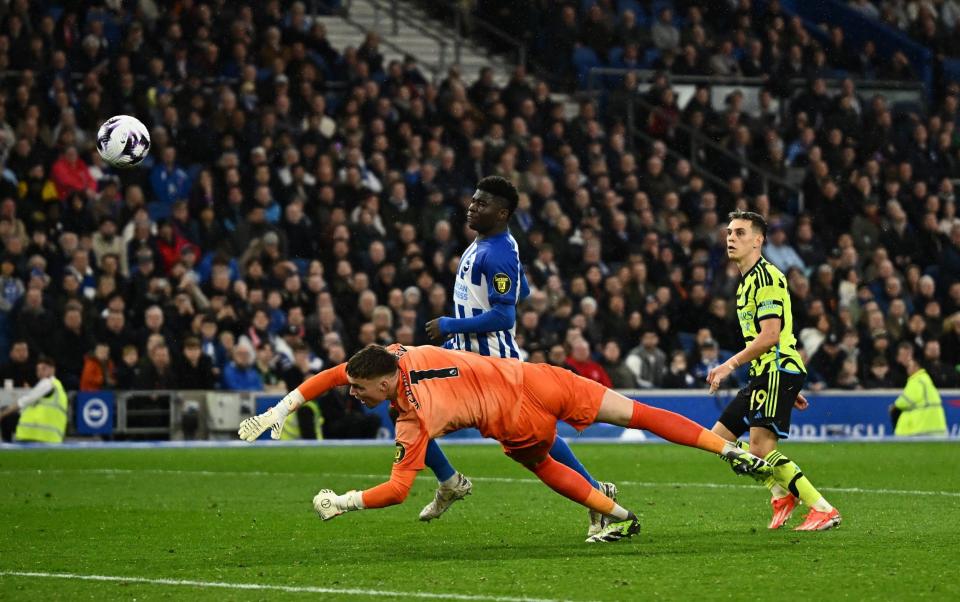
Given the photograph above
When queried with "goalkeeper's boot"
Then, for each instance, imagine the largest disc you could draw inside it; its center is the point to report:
(616, 531)
(783, 508)
(599, 521)
(445, 497)
(745, 463)
(820, 521)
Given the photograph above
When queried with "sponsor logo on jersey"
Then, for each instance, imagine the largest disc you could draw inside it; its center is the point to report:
(408, 391)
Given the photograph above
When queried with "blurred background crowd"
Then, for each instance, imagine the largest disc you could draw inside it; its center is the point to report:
(302, 200)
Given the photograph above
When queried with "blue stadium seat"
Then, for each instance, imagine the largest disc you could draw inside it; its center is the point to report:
(615, 56)
(584, 59)
(651, 55)
(688, 341)
(614, 60)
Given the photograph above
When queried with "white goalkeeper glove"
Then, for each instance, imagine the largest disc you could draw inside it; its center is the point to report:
(272, 419)
(328, 504)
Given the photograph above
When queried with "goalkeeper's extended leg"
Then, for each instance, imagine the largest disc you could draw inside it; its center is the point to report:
(622, 411)
(561, 452)
(570, 484)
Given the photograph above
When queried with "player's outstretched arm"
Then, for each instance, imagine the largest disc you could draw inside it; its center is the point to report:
(274, 418)
(329, 505)
(500, 316)
(768, 337)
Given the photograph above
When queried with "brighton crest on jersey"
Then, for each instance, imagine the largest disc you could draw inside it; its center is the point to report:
(489, 272)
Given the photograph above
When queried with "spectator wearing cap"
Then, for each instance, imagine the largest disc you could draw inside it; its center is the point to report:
(878, 374)
(826, 363)
(290, 336)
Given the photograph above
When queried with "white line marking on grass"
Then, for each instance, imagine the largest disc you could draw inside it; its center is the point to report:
(262, 473)
(304, 589)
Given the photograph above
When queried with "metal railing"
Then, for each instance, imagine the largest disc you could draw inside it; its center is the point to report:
(474, 21)
(395, 18)
(463, 23)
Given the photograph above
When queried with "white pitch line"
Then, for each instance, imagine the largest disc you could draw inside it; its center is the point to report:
(261, 473)
(304, 589)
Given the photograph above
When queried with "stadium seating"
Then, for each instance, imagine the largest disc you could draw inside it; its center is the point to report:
(309, 221)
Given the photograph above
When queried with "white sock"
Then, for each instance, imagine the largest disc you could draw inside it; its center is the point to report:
(619, 512)
(452, 481)
(822, 505)
(778, 491)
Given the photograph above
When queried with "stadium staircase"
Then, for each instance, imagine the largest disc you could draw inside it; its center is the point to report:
(405, 29)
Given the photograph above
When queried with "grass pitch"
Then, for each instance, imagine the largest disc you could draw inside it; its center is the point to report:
(222, 519)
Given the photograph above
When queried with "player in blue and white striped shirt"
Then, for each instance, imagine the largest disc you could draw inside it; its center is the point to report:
(490, 282)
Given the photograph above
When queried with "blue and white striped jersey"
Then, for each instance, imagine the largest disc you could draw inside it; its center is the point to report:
(489, 272)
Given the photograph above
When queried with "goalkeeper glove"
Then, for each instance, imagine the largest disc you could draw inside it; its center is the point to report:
(328, 504)
(272, 419)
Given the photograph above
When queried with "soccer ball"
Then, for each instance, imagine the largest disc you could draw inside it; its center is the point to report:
(123, 141)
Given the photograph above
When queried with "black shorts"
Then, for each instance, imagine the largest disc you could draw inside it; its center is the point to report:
(766, 402)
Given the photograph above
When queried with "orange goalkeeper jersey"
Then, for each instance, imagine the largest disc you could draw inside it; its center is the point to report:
(441, 391)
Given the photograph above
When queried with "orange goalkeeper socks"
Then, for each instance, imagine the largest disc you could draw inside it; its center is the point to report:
(571, 485)
(674, 428)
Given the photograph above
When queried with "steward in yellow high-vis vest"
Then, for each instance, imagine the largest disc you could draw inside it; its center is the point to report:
(919, 409)
(43, 410)
(298, 425)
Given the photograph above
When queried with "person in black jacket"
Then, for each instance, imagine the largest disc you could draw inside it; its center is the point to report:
(22, 371)
(195, 369)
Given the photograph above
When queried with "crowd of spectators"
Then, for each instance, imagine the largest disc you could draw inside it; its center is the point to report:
(933, 23)
(301, 201)
(747, 38)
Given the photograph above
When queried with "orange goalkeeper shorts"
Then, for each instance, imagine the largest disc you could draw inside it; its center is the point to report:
(551, 394)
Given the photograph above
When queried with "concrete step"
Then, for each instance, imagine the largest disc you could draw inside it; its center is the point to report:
(415, 41)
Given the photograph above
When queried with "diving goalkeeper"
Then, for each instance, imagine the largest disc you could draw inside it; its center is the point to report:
(437, 391)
